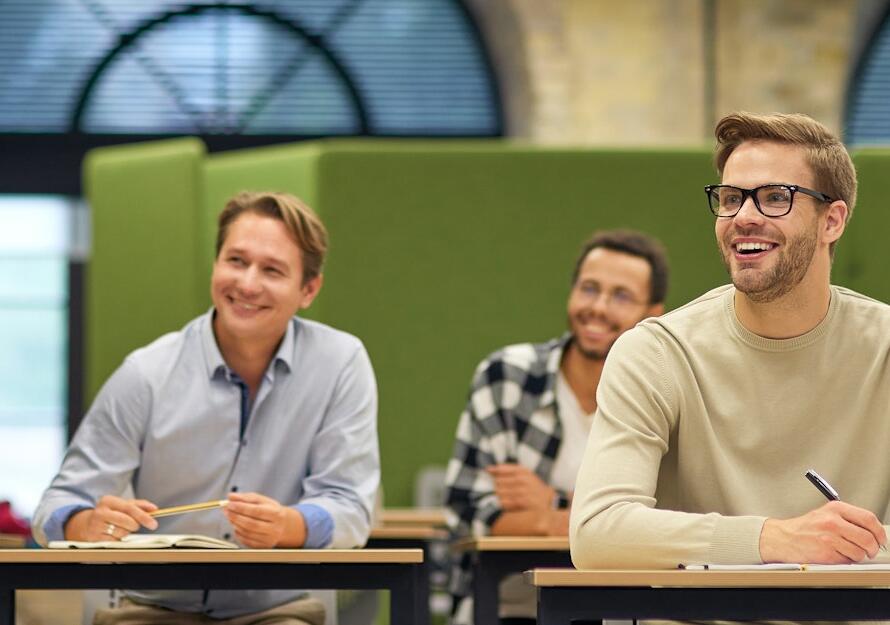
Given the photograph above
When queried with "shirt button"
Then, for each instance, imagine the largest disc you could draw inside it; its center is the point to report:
(234, 489)
(227, 536)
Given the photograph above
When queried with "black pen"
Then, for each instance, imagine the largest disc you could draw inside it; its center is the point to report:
(826, 489)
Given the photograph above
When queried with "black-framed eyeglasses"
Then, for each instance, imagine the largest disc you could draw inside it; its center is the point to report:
(772, 200)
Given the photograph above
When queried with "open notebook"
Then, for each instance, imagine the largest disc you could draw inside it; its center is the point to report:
(881, 562)
(148, 541)
(864, 566)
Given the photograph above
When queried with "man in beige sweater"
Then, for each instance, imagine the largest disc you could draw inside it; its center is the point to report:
(709, 416)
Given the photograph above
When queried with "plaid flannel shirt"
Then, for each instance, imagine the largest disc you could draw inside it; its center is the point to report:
(511, 416)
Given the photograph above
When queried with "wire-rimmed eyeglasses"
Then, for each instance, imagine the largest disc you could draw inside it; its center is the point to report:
(772, 200)
(618, 299)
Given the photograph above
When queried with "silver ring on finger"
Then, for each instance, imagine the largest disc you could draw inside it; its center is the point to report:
(109, 529)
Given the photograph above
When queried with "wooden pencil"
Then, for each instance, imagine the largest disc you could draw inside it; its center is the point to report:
(192, 507)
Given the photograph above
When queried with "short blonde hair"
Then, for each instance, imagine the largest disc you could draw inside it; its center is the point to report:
(825, 153)
(301, 221)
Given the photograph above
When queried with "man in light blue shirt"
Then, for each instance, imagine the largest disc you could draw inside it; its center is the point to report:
(248, 403)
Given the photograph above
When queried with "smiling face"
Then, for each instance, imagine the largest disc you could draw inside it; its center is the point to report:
(609, 297)
(257, 283)
(767, 257)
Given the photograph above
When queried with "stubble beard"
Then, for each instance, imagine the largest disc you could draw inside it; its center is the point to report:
(598, 355)
(593, 354)
(788, 271)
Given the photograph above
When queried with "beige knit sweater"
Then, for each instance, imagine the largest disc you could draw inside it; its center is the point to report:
(705, 429)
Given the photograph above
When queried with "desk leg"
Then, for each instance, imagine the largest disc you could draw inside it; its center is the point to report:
(560, 606)
(490, 568)
(7, 606)
(427, 568)
(486, 586)
(423, 589)
(550, 612)
(405, 607)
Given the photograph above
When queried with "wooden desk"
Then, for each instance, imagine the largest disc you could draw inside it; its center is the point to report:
(406, 532)
(396, 570)
(566, 594)
(496, 557)
(430, 517)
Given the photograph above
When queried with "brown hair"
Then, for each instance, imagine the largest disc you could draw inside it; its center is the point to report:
(636, 244)
(832, 167)
(301, 221)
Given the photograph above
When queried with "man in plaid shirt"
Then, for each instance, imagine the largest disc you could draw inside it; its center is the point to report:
(521, 437)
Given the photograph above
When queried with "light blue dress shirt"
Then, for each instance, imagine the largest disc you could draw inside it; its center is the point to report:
(168, 423)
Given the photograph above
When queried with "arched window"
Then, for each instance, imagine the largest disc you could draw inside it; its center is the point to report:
(79, 74)
(287, 68)
(868, 99)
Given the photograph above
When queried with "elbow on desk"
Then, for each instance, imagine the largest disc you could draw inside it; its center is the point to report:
(597, 542)
(602, 551)
(590, 550)
(589, 545)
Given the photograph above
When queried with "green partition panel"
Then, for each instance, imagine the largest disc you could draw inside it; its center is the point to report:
(441, 254)
(862, 256)
(142, 275)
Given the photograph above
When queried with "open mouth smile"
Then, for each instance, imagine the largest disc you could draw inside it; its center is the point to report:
(244, 307)
(752, 250)
(596, 329)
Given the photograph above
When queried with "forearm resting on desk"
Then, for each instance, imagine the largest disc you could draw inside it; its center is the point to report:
(532, 523)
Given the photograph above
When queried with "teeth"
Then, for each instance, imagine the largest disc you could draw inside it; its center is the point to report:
(752, 246)
(595, 327)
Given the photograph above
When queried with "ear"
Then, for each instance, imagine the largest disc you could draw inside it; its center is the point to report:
(655, 310)
(310, 290)
(835, 221)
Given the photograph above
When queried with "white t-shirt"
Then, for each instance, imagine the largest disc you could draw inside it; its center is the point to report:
(575, 431)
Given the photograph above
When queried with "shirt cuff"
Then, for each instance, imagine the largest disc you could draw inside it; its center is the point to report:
(319, 525)
(54, 528)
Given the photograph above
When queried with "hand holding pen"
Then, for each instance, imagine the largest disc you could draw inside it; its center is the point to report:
(835, 533)
(828, 490)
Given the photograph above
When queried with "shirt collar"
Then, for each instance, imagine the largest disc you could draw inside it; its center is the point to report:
(554, 360)
(216, 364)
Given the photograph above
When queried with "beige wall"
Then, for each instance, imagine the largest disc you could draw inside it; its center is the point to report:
(646, 72)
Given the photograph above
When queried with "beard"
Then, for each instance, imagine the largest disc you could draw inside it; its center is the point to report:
(593, 354)
(795, 257)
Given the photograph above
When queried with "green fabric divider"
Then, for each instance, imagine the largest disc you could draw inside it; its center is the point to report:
(440, 256)
(861, 256)
(142, 275)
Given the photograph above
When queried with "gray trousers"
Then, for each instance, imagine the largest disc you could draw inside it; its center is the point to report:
(305, 611)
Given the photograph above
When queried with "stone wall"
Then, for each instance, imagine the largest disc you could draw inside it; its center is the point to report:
(660, 72)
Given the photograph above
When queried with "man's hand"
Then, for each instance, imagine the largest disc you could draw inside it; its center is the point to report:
(532, 523)
(260, 522)
(836, 533)
(518, 488)
(111, 519)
